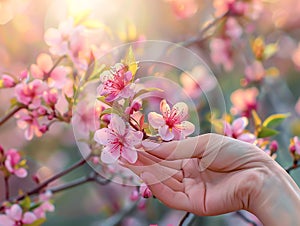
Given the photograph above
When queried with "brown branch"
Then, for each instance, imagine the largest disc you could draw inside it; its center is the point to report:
(6, 184)
(10, 114)
(293, 167)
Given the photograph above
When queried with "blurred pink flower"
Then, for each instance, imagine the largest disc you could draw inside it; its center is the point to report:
(171, 124)
(183, 8)
(118, 140)
(29, 122)
(43, 70)
(221, 52)
(12, 161)
(233, 29)
(134, 196)
(255, 72)
(8, 81)
(296, 145)
(45, 206)
(199, 80)
(116, 83)
(244, 101)
(237, 130)
(30, 93)
(50, 96)
(145, 191)
(14, 216)
(296, 57)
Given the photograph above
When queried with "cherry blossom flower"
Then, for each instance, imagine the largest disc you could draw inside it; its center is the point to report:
(45, 206)
(221, 52)
(119, 141)
(197, 82)
(183, 8)
(29, 122)
(12, 163)
(233, 29)
(43, 70)
(50, 96)
(237, 130)
(244, 101)
(14, 216)
(145, 191)
(134, 107)
(116, 83)
(30, 93)
(295, 145)
(8, 81)
(171, 124)
(255, 71)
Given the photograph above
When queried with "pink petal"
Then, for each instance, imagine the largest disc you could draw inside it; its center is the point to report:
(164, 108)
(52, 37)
(134, 138)
(21, 172)
(102, 136)
(117, 124)
(15, 212)
(6, 221)
(156, 120)
(186, 128)
(130, 155)
(44, 62)
(165, 133)
(227, 129)
(239, 125)
(247, 137)
(36, 71)
(108, 156)
(29, 218)
(127, 91)
(58, 77)
(180, 111)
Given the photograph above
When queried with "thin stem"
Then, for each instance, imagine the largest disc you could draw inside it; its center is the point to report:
(10, 114)
(6, 184)
(54, 66)
(241, 215)
(186, 215)
(51, 179)
(288, 170)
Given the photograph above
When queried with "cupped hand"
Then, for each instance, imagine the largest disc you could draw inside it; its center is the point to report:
(207, 175)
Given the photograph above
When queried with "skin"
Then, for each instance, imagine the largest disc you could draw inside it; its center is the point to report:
(212, 174)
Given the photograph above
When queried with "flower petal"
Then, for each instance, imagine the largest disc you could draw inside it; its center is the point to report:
(227, 129)
(21, 172)
(239, 125)
(185, 127)
(134, 138)
(109, 156)
(165, 133)
(165, 108)
(129, 154)
(180, 111)
(15, 212)
(156, 120)
(102, 136)
(6, 221)
(29, 218)
(247, 137)
(117, 124)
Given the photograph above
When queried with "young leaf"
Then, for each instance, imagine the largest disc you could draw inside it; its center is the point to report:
(266, 132)
(257, 120)
(38, 222)
(131, 62)
(275, 120)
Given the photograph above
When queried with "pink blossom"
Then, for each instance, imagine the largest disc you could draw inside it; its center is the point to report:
(237, 130)
(134, 107)
(233, 29)
(255, 71)
(145, 191)
(296, 57)
(30, 93)
(116, 83)
(12, 161)
(134, 196)
(8, 81)
(199, 80)
(50, 96)
(29, 122)
(171, 124)
(183, 8)
(296, 145)
(14, 216)
(43, 70)
(86, 117)
(221, 52)
(45, 206)
(244, 101)
(119, 141)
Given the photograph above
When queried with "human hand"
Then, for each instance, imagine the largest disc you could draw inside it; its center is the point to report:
(212, 174)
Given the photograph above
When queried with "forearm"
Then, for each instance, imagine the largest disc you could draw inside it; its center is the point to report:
(278, 202)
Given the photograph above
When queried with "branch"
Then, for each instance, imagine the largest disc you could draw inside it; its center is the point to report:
(47, 75)
(241, 215)
(6, 184)
(187, 219)
(293, 167)
(51, 179)
(10, 114)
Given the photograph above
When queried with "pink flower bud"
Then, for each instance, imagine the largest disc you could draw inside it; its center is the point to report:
(23, 75)
(41, 111)
(145, 191)
(44, 128)
(274, 146)
(51, 116)
(50, 97)
(134, 196)
(292, 148)
(36, 179)
(8, 81)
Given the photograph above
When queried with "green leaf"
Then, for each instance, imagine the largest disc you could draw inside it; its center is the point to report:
(38, 222)
(256, 118)
(102, 99)
(275, 120)
(131, 62)
(147, 90)
(26, 202)
(266, 132)
(270, 50)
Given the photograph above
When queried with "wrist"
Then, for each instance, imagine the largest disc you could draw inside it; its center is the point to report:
(277, 201)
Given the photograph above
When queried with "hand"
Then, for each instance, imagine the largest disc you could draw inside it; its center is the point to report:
(212, 174)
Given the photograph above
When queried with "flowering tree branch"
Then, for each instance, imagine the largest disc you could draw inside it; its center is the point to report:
(293, 167)
(10, 114)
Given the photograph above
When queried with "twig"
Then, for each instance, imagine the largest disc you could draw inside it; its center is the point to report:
(288, 170)
(187, 219)
(10, 114)
(47, 75)
(51, 179)
(241, 215)
(184, 219)
(6, 184)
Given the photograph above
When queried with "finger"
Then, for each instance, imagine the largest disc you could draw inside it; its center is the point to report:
(193, 147)
(173, 199)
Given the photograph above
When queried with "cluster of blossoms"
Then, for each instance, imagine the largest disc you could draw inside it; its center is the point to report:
(28, 212)
(123, 134)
